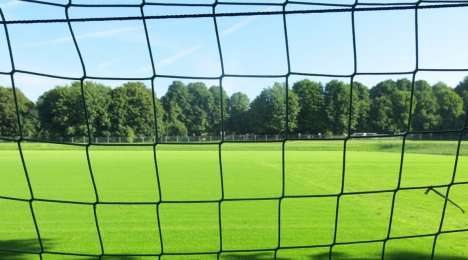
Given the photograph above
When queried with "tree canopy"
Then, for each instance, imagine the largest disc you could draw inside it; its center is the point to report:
(194, 109)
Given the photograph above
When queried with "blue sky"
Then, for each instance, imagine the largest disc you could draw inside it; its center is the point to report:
(318, 43)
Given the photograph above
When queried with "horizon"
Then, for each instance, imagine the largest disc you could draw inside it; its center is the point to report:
(147, 84)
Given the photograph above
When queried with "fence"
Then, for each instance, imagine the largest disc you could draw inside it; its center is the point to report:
(229, 138)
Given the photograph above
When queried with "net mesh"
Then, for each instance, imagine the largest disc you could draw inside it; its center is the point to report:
(326, 8)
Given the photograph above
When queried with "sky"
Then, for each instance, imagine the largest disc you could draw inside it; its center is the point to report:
(250, 45)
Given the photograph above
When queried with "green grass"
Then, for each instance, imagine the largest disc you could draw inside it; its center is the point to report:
(192, 173)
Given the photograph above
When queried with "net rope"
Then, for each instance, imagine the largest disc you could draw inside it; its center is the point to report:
(328, 8)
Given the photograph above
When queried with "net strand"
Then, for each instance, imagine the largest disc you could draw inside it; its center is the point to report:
(275, 250)
(155, 124)
(20, 150)
(408, 128)
(447, 193)
(375, 8)
(221, 99)
(349, 131)
(89, 133)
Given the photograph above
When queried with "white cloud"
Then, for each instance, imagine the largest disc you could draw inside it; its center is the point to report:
(179, 55)
(106, 65)
(237, 26)
(243, 23)
(84, 36)
(189, 51)
(10, 4)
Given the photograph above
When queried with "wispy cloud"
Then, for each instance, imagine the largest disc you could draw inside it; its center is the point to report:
(237, 26)
(84, 36)
(189, 51)
(179, 55)
(10, 4)
(243, 23)
(106, 65)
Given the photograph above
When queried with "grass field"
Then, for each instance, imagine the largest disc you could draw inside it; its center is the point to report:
(125, 175)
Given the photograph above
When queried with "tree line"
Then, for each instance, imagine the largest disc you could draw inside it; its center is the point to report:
(194, 109)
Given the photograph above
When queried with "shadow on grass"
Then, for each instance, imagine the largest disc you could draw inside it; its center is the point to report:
(18, 249)
(25, 248)
(398, 255)
(249, 256)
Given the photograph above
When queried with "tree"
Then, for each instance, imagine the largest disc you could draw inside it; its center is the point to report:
(389, 109)
(361, 107)
(293, 107)
(176, 128)
(450, 106)
(8, 117)
(98, 100)
(194, 109)
(201, 105)
(425, 116)
(337, 106)
(61, 112)
(176, 104)
(310, 119)
(238, 121)
(132, 110)
(215, 113)
(160, 124)
(268, 110)
(462, 91)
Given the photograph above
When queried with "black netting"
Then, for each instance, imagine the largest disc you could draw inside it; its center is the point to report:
(325, 8)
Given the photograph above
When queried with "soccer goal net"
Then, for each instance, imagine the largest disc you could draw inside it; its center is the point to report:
(230, 130)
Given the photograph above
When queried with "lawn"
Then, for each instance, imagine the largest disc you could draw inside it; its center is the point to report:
(135, 211)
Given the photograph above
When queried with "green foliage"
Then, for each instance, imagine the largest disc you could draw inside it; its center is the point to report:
(268, 110)
(215, 113)
(61, 112)
(176, 105)
(337, 106)
(98, 101)
(310, 119)
(425, 114)
(132, 107)
(462, 91)
(159, 110)
(201, 110)
(450, 106)
(361, 107)
(389, 108)
(294, 106)
(8, 118)
(177, 128)
(194, 109)
(238, 108)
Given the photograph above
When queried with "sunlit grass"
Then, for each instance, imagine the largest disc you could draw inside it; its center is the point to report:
(126, 175)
